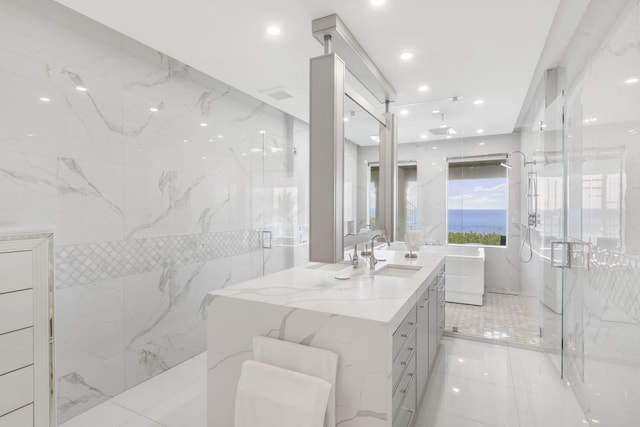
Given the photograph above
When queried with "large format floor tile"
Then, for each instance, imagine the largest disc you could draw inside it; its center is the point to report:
(106, 414)
(458, 401)
(149, 393)
(473, 384)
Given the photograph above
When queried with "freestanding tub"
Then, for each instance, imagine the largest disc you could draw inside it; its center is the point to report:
(465, 275)
(464, 269)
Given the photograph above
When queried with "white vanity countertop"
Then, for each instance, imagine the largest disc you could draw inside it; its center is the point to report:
(365, 295)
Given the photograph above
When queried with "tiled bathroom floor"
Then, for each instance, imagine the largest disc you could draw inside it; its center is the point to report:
(472, 384)
(503, 317)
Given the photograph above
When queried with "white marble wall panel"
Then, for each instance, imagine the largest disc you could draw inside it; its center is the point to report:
(151, 209)
(82, 198)
(89, 347)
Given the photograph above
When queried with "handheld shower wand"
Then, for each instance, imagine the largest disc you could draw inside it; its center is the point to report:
(532, 203)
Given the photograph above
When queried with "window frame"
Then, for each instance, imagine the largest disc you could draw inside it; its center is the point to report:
(497, 157)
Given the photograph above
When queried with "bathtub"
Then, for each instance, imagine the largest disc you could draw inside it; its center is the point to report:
(465, 275)
(464, 269)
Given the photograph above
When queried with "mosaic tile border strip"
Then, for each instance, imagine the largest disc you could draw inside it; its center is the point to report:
(616, 276)
(92, 262)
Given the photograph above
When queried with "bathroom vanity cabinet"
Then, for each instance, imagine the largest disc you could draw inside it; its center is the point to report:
(384, 324)
(26, 338)
(413, 362)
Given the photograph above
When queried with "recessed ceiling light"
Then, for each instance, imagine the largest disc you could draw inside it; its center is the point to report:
(404, 112)
(481, 144)
(204, 157)
(204, 125)
(185, 140)
(377, 2)
(449, 136)
(632, 81)
(153, 109)
(44, 99)
(220, 136)
(434, 148)
(81, 88)
(273, 30)
(435, 111)
(29, 135)
(478, 102)
(405, 56)
(480, 131)
(423, 136)
(455, 389)
(423, 88)
(346, 119)
(210, 140)
(262, 132)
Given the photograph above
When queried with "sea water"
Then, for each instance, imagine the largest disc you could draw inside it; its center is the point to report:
(478, 220)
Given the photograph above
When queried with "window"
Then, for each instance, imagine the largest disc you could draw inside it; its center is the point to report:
(407, 199)
(407, 209)
(477, 202)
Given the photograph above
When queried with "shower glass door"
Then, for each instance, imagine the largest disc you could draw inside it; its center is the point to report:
(550, 229)
(277, 195)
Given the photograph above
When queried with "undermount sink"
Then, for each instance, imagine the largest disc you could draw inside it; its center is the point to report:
(398, 270)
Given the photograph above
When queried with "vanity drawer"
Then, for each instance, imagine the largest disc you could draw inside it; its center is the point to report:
(402, 361)
(16, 389)
(17, 271)
(407, 383)
(22, 417)
(16, 310)
(403, 332)
(16, 350)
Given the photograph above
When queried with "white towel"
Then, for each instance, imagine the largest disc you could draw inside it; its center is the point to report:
(314, 361)
(269, 396)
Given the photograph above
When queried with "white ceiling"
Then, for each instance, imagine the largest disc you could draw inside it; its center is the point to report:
(473, 49)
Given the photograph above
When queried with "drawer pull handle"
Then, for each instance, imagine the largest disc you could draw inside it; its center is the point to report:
(404, 335)
(411, 323)
(403, 363)
(410, 348)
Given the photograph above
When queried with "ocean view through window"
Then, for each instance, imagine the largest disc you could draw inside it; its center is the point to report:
(477, 200)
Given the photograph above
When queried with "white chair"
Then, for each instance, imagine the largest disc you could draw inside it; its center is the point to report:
(269, 396)
(305, 359)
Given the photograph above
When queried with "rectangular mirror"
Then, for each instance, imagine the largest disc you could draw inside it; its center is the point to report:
(361, 173)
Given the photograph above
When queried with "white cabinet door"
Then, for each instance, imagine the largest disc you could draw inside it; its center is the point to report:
(422, 335)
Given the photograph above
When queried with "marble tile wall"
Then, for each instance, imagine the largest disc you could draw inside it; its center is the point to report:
(158, 180)
(601, 310)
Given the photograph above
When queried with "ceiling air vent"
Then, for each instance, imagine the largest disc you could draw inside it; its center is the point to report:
(443, 131)
(278, 93)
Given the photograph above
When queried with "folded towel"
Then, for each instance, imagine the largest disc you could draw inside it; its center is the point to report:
(305, 359)
(269, 396)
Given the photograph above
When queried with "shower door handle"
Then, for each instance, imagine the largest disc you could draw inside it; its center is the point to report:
(266, 239)
(565, 261)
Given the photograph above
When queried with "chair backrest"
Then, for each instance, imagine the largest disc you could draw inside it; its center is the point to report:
(269, 396)
(305, 359)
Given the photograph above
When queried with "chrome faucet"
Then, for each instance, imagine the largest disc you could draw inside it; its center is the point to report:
(373, 260)
(354, 257)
